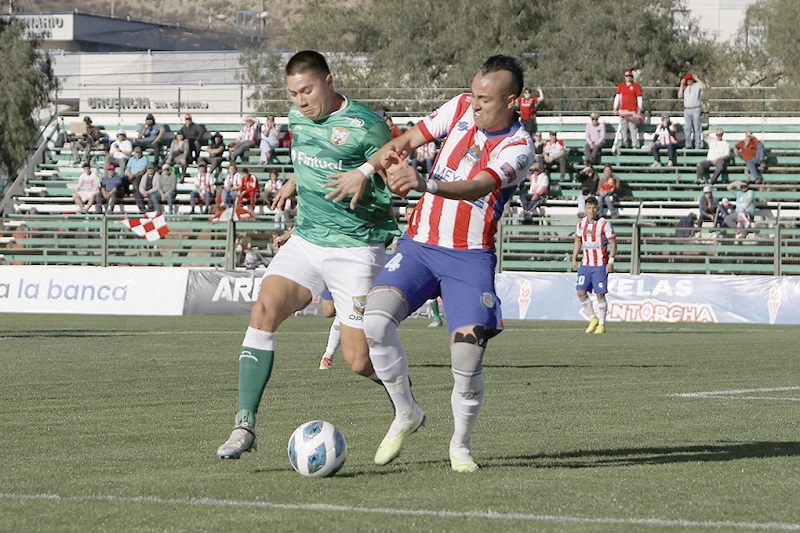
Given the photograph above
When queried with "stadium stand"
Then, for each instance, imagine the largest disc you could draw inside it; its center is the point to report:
(43, 227)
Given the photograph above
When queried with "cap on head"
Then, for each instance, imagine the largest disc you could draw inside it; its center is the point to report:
(87, 119)
(688, 76)
(629, 73)
(138, 149)
(726, 201)
(121, 132)
(151, 166)
(707, 188)
(165, 167)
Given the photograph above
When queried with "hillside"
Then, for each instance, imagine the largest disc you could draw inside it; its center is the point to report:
(218, 15)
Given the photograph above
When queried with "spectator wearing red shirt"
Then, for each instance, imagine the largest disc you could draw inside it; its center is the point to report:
(752, 151)
(248, 189)
(628, 106)
(527, 105)
(395, 130)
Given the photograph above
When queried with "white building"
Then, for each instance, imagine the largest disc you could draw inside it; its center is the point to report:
(721, 18)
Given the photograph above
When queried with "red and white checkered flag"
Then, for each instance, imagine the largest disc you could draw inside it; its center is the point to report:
(152, 226)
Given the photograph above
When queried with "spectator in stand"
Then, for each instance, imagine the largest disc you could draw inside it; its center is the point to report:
(284, 213)
(179, 153)
(87, 189)
(595, 135)
(110, 191)
(248, 189)
(719, 151)
(608, 193)
(230, 187)
(120, 150)
(628, 106)
(536, 197)
(745, 213)
(216, 152)
(203, 188)
(690, 90)
(527, 105)
(588, 179)
(555, 153)
(394, 129)
(270, 140)
(166, 189)
(666, 136)
(135, 169)
(425, 155)
(724, 208)
(708, 206)
(147, 188)
(92, 138)
(151, 135)
(271, 187)
(538, 149)
(247, 139)
(752, 151)
(193, 133)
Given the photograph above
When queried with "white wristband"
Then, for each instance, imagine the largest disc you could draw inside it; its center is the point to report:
(431, 186)
(367, 169)
(610, 260)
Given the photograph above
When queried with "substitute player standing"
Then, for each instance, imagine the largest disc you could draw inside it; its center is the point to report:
(448, 249)
(336, 246)
(596, 237)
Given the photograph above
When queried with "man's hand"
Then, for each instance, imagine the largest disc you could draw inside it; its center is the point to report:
(402, 178)
(344, 184)
(287, 190)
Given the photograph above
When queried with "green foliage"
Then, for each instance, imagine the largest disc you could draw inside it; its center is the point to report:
(263, 73)
(27, 80)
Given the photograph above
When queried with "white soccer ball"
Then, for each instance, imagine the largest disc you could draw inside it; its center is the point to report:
(317, 449)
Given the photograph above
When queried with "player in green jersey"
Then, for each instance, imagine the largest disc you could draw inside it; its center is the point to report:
(334, 245)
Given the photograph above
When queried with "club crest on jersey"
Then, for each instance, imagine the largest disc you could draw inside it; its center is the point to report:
(359, 303)
(487, 299)
(473, 154)
(522, 162)
(339, 135)
(508, 171)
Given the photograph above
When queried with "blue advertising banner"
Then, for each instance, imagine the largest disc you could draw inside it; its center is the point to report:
(656, 298)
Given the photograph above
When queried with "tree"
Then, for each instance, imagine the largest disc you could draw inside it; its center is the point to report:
(28, 81)
(263, 74)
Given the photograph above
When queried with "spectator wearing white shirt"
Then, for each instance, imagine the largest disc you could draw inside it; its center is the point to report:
(595, 136)
(719, 151)
(120, 151)
(87, 189)
(555, 153)
(203, 188)
(536, 197)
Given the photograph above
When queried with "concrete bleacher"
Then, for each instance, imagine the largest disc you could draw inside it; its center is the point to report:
(652, 197)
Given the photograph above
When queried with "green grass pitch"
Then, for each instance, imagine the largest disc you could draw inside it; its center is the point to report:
(111, 424)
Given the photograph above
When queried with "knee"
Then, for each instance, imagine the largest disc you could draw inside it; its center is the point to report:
(385, 309)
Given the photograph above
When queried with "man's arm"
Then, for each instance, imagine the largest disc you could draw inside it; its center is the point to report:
(612, 252)
(576, 248)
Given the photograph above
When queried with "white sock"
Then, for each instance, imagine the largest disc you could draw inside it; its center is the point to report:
(390, 362)
(588, 307)
(334, 338)
(602, 307)
(466, 401)
(259, 339)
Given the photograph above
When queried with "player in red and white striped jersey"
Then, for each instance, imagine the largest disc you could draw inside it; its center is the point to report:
(596, 236)
(448, 250)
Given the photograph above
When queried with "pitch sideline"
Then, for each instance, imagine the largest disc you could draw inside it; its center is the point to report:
(486, 515)
(740, 394)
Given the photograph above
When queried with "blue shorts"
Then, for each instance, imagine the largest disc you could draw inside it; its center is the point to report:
(463, 278)
(592, 279)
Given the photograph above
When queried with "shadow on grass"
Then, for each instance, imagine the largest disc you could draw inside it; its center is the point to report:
(650, 455)
(66, 333)
(599, 365)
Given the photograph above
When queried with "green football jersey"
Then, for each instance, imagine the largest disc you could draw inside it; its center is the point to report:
(342, 141)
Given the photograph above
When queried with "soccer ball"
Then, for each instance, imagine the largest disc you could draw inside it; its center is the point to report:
(317, 449)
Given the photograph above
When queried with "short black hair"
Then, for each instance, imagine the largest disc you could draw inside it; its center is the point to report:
(591, 200)
(503, 62)
(306, 60)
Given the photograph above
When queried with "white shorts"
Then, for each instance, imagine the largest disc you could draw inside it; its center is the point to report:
(347, 273)
(85, 196)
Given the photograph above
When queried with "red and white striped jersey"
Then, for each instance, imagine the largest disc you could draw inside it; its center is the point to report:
(204, 182)
(465, 152)
(595, 236)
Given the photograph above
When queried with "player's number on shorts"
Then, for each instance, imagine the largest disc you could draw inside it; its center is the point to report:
(581, 279)
(393, 263)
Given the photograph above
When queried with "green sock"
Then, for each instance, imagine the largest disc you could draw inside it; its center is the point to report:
(255, 367)
(435, 309)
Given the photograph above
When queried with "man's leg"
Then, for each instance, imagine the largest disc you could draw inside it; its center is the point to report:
(466, 354)
(634, 132)
(386, 308)
(278, 299)
(622, 131)
(719, 168)
(697, 127)
(687, 129)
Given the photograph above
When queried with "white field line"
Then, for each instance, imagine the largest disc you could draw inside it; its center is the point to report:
(485, 515)
(741, 394)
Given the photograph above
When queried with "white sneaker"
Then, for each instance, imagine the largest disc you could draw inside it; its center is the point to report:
(242, 439)
(391, 445)
(655, 164)
(435, 324)
(325, 363)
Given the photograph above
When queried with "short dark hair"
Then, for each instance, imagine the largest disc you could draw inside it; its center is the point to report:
(306, 60)
(591, 200)
(502, 62)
